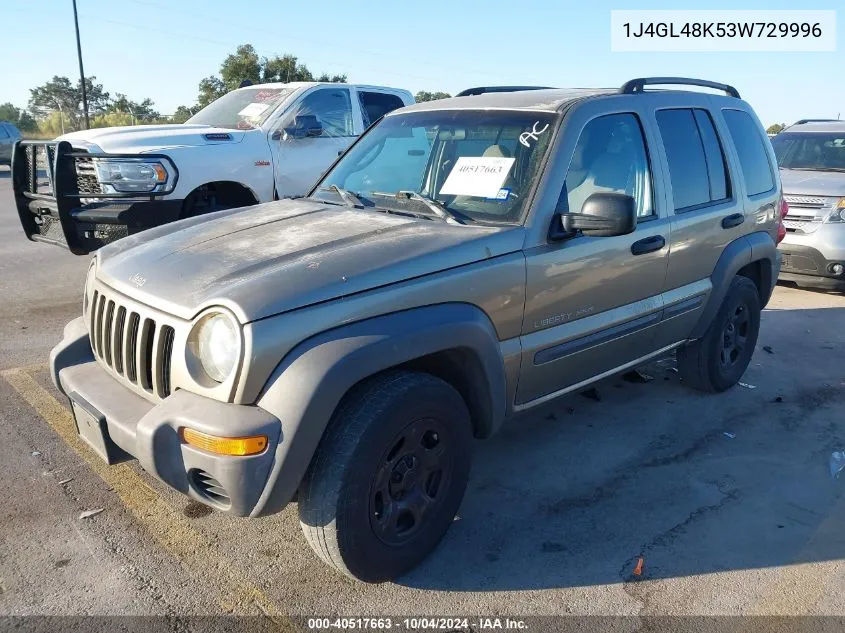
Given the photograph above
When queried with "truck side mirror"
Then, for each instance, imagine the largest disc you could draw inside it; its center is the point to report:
(603, 215)
(305, 125)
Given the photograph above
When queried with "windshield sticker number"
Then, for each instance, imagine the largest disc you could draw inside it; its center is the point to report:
(253, 109)
(534, 134)
(503, 194)
(478, 176)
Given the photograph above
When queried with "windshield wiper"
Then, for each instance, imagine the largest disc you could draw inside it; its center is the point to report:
(435, 206)
(349, 198)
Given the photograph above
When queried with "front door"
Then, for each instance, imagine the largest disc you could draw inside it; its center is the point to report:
(593, 303)
(299, 161)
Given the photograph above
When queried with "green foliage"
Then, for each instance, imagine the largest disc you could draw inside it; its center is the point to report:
(422, 95)
(19, 117)
(183, 113)
(59, 94)
(139, 112)
(775, 129)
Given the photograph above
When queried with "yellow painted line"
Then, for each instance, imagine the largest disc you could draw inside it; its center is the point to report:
(166, 525)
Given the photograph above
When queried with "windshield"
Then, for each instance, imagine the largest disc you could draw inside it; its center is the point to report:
(479, 164)
(243, 109)
(811, 150)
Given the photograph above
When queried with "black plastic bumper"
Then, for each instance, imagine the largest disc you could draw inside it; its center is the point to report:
(49, 188)
(806, 266)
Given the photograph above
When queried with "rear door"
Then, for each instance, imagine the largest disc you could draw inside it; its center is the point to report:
(299, 162)
(592, 303)
(706, 202)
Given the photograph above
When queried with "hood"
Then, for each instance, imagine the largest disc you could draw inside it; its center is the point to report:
(148, 138)
(813, 183)
(274, 257)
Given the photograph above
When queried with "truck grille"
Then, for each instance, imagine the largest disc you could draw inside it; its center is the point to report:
(86, 175)
(133, 345)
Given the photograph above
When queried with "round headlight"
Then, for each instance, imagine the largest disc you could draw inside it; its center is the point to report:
(217, 345)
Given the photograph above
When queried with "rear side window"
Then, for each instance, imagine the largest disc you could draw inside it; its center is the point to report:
(753, 159)
(685, 154)
(3, 132)
(714, 155)
(375, 105)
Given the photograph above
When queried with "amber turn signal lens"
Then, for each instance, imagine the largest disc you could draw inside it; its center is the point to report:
(239, 446)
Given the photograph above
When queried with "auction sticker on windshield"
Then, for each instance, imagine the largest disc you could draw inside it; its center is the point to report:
(481, 176)
(253, 109)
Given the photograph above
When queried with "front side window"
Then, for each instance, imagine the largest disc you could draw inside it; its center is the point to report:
(3, 132)
(243, 109)
(478, 164)
(332, 109)
(375, 105)
(753, 158)
(610, 157)
(811, 151)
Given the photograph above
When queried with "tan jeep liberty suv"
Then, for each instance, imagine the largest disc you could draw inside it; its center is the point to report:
(463, 262)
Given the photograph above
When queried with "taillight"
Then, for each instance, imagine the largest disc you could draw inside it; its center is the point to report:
(784, 210)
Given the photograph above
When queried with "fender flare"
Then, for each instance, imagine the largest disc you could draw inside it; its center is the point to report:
(305, 389)
(742, 251)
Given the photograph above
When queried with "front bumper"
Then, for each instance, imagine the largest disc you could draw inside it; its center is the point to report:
(49, 190)
(808, 266)
(150, 432)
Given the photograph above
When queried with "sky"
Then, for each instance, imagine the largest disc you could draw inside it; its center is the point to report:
(162, 48)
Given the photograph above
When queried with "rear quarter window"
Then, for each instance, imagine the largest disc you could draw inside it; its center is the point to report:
(753, 158)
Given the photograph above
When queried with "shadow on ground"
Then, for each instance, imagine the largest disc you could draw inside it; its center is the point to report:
(694, 483)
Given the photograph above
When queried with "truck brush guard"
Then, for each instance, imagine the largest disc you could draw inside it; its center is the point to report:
(60, 200)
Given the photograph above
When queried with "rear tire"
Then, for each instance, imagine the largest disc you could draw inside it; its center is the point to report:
(718, 360)
(388, 476)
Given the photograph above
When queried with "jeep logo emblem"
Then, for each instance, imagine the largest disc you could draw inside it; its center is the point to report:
(138, 280)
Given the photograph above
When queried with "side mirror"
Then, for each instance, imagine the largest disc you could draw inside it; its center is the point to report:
(603, 215)
(305, 125)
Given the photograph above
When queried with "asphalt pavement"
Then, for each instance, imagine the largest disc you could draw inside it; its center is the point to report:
(727, 499)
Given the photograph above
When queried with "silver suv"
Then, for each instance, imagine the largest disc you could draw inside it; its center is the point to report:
(811, 157)
(465, 261)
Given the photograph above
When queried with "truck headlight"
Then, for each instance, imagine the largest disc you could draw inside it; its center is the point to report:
(215, 342)
(136, 175)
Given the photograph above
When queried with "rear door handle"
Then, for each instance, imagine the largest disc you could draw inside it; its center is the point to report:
(733, 220)
(648, 245)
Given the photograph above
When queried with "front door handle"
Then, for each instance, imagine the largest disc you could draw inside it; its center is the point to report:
(733, 220)
(648, 245)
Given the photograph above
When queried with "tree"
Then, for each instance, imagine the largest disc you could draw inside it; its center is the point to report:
(143, 111)
(775, 129)
(422, 95)
(60, 95)
(183, 113)
(245, 65)
(19, 117)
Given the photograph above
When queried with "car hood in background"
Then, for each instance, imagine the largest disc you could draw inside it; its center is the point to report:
(150, 138)
(813, 183)
(280, 256)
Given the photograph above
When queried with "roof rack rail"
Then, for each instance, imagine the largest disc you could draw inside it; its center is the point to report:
(803, 121)
(637, 85)
(480, 90)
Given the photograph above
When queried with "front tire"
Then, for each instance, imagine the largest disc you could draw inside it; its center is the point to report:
(388, 476)
(718, 360)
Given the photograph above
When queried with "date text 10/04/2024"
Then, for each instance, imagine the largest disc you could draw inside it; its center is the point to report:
(417, 624)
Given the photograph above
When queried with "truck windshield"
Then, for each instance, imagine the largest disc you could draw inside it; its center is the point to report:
(822, 151)
(243, 109)
(480, 164)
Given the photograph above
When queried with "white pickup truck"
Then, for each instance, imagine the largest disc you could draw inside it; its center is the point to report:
(254, 144)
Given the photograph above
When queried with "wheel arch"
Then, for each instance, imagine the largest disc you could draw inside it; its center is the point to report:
(455, 342)
(242, 195)
(753, 256)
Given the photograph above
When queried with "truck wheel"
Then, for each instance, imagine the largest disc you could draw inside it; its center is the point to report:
(718, 360)
(388, 476)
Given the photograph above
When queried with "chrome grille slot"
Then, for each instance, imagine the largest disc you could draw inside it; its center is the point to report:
(119, 324)
(145, 354)
(107, 333)
(131, 346)
(165, 351)
(133, 342)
